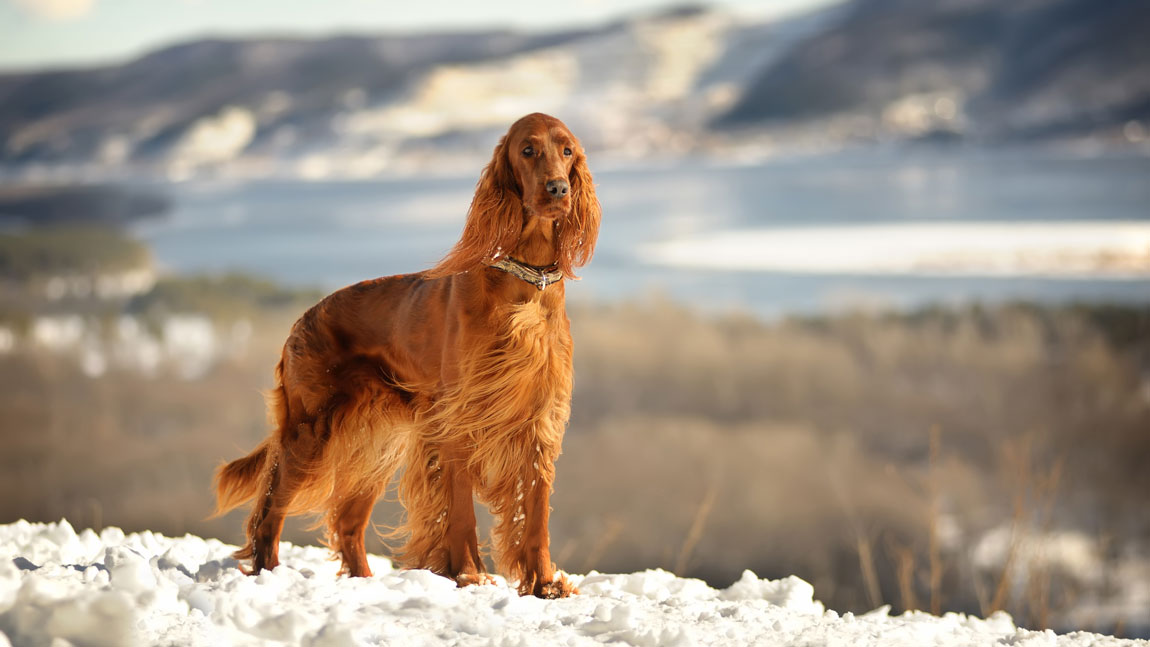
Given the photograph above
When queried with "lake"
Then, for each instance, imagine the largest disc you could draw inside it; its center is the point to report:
(864, 230)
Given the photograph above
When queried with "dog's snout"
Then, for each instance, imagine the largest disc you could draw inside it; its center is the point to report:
(558, 188)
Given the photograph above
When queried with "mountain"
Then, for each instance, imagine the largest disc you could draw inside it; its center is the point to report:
(214, 99)
(688, 81)
(979, 68)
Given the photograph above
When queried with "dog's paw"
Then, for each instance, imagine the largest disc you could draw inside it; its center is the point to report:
(468, 579)
(558, 587)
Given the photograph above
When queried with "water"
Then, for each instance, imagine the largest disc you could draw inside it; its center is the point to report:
(335, 233)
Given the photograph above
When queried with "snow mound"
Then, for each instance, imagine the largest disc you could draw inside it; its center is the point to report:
(59, 587)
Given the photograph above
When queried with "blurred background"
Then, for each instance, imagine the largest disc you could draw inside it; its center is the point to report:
(871, 304)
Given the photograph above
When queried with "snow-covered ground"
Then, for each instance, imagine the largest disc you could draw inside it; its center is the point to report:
(59, 587)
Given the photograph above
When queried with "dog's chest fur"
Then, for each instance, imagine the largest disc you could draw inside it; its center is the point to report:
(515, 384)
(529, 366)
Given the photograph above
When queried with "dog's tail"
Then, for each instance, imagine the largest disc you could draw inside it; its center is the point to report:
(239, 481)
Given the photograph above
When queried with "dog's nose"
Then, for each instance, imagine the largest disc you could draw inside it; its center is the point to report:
(558, 188)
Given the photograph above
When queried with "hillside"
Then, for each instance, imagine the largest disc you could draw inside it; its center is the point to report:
(681, 83)
(1028, 70)
(115, 590)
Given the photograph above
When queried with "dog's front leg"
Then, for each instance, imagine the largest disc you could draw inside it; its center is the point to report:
(522, 536)
(540, 577)
(436, 490)
(463, 560)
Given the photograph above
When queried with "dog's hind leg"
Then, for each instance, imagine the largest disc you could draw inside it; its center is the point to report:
(369, 427)
(289, 472)
(265, 524)
(346, 526)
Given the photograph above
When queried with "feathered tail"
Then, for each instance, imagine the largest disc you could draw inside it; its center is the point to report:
(239, 481)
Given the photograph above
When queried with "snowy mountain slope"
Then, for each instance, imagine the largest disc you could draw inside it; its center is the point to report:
(1024, 70)
(356, 106)
(59, 587)
(147, 109)
(685, 81)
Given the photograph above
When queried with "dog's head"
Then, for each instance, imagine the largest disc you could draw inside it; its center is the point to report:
(538, 172)
(540, 156)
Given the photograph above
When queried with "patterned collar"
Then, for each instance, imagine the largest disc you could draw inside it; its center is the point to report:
(540, 277)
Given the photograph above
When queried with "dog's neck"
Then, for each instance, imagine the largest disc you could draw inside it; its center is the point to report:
(537, 242)
(534, 260)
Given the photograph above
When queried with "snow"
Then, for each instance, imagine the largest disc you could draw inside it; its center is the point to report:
(59, 587)
(188, 345)
(1072, 553)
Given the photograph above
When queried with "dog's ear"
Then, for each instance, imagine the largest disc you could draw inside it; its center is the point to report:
(498, 180)
(494, 220)
(579, 231)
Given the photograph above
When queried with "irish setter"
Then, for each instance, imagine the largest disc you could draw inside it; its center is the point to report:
(460, 374)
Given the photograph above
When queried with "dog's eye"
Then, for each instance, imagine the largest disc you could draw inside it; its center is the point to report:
(528, 152)
(567, 152)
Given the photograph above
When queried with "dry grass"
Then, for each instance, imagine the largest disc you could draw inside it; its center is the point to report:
(703, 445)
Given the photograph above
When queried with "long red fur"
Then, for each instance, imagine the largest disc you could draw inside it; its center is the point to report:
(461, 375)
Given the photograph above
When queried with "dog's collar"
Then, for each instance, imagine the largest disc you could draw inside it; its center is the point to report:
(540, 277)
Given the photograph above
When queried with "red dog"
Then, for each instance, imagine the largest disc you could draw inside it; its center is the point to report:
(461, 374)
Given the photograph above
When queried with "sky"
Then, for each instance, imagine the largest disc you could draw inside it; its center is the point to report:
(37, 34)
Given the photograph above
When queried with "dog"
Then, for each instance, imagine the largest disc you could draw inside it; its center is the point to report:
(460, 374)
